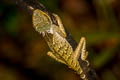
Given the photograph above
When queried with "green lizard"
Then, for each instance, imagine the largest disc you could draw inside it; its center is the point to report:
(55, 36)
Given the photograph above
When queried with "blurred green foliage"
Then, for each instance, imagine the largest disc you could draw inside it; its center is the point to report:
(23, 50)
(52, 5)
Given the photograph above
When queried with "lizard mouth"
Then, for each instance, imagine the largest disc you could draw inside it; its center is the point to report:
(45, 27)
(43, 31)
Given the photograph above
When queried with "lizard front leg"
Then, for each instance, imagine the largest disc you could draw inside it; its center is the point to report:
(60, 29)
(55, 57)
(80, 51)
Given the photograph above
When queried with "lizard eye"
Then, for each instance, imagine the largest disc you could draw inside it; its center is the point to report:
(41, 21)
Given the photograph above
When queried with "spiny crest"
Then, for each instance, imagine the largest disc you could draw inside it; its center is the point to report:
(41, 21)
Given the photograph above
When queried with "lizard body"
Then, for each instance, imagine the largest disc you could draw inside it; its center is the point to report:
(55, 36)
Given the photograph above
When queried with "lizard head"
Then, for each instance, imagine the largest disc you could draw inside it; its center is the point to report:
(41, 21)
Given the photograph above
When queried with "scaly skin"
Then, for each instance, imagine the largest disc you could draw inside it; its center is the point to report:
(61, 50)
(64, 51)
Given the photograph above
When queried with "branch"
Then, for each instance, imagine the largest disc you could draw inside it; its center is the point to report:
(30, 6)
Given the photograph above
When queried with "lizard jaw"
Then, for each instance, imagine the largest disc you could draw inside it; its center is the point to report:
(47, 31)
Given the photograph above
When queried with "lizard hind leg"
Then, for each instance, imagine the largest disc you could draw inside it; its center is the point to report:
(55, 57)
(80, 51)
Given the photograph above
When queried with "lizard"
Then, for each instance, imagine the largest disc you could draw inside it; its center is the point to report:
(55, 36)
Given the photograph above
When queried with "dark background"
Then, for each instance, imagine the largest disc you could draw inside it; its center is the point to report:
(23, 50)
